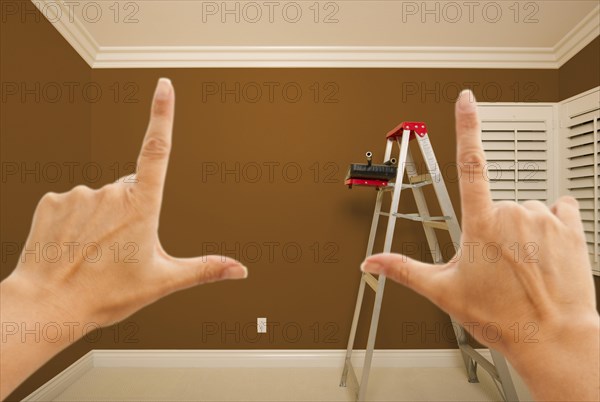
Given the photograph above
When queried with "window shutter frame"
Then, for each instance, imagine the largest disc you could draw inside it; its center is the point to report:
(572, 159)
(580, 157)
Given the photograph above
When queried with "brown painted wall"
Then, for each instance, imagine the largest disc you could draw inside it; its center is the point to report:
(580, 73)
(282, 156)
(44, 130)
(202, 209)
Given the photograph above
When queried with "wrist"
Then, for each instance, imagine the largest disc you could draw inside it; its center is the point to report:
(563, 347)
(563, 335)
(34, 330)
(33, 314)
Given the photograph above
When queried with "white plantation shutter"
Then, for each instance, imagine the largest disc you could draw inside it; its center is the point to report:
(580, 133)
(518, 143)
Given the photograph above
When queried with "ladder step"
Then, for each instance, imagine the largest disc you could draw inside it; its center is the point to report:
(419, 218)
(414, 182)
(418, 181)
(371, 280)
(436, 225)
(421, 178)
(436, 222)
(406, 185)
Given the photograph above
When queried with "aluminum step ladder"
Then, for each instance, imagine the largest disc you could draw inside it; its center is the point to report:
(401, 135)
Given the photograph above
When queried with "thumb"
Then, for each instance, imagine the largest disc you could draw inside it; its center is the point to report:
(183, 273)
(421, 277)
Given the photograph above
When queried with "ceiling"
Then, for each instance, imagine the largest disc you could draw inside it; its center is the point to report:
(309, 33)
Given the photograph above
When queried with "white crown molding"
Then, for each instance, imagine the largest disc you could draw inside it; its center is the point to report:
(156, 358)
(579, 37)
(322, 56)
(73, 31)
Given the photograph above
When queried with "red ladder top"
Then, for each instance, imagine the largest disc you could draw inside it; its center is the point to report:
(418, 127)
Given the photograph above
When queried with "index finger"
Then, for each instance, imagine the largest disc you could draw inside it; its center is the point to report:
(474, 187)
(154, 155)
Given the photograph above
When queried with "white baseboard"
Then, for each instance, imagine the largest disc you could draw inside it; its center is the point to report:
(260, 358)
(63, 380)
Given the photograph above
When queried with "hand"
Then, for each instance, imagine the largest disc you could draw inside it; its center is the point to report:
(120, 218)
(120, 222)
(534, 277)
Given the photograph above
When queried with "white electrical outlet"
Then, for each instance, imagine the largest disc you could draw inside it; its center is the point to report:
(261, 325)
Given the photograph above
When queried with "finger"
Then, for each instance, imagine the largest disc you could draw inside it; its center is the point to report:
(183, 273)
(413, 274)
(567, 210)
(474, 187)
(154, 155)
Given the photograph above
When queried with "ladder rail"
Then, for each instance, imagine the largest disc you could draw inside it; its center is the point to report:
(374, 223)
(348, 359)
(363, 282)
(361, 290)
(386, 249)
(506, 382)
(389, 233)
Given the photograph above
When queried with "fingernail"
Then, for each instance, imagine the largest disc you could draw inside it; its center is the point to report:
(467, 101)
(163, 88)
(237, 271)
(370, 266)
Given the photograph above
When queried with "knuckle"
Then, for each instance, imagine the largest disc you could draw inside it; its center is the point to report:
(156, 148)
(508, 207)
(80, 192)
(81, 189)
(530, 203)
(49, 199)
(534, 205)
(472, 159)
(212, 270)
(568, 200)
(210, 273)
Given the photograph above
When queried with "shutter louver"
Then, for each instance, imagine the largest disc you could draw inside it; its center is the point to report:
(581, 136)
(517, 151)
